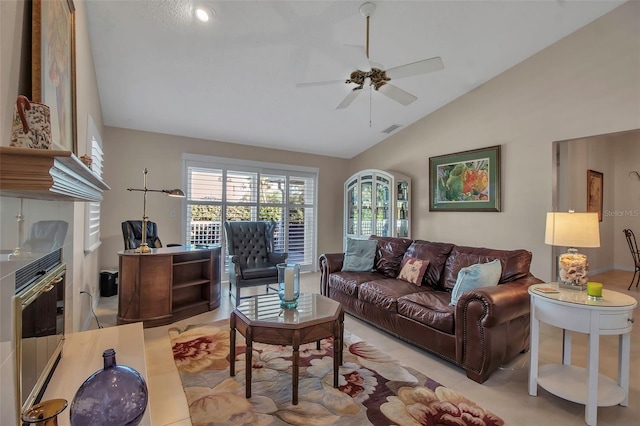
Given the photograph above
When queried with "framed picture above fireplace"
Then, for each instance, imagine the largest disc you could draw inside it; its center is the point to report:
(53, 67)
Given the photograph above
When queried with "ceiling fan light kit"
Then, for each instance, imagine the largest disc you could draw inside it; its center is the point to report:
(378, 78)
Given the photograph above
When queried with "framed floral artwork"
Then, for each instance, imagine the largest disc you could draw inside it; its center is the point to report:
(465, 181)
(53, 73)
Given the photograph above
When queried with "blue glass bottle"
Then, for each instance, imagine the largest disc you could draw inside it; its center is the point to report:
(115, 395)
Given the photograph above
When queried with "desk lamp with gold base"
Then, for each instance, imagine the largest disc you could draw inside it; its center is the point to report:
(144, 247)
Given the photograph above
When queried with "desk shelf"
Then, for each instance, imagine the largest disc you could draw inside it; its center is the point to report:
(191, 305)
(189, 262)
(190, 284)
(168, 284)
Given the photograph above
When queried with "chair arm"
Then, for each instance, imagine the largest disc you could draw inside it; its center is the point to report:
(279, 257)
(234, 269)
(328, 263)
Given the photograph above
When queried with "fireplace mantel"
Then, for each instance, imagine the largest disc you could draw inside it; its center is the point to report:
(47, 174)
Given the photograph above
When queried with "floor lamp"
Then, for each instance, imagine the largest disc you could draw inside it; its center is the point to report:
(144, 247)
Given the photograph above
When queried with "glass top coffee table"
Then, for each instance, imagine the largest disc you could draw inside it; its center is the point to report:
(261, 319)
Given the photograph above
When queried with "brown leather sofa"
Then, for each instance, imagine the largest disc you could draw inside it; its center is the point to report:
(488, 326)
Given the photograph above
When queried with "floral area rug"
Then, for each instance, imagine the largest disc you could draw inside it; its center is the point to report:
(374, 389)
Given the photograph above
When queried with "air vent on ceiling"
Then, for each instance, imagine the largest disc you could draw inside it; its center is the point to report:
(392, 128)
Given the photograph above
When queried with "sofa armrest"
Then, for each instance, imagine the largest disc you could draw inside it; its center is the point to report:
(491, 324)
(500, 304)
(328, 263)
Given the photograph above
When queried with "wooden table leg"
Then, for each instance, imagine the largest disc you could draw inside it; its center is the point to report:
(248, 361)
(232, 345)
(296, 363)
(337, 351)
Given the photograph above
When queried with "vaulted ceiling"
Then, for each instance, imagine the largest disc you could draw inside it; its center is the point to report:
(234, 79)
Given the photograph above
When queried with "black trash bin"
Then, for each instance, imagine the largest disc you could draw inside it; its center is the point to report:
(108, 283)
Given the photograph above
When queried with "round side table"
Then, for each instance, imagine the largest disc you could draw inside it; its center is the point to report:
(573, 311)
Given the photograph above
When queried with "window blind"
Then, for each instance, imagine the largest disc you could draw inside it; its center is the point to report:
(92, 209)
(225, 189)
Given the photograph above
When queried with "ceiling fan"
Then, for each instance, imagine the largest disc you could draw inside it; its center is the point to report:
(379, 78)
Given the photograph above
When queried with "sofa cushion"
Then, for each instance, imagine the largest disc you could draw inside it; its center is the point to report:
(385, 292)
(476, 276)
(412, 270)
(436, 254)
(359, 256)
(389, 254)
(348, 282)
(430, 308)
(515, 263)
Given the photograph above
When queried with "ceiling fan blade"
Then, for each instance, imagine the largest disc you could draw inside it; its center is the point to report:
(415, 68)
(320, 83)
(350, 98)
(397, 94)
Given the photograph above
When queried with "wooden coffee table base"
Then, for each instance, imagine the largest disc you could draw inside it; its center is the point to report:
(289, 334)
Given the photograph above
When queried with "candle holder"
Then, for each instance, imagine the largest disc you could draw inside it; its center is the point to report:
(44, 413)
(594, 290)
(288, 284)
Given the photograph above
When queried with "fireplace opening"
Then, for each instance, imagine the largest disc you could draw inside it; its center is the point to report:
(39, 319)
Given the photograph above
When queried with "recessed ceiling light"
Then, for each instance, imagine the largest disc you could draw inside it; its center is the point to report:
(203, 13)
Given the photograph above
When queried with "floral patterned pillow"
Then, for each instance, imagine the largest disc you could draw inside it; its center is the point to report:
(412, 270)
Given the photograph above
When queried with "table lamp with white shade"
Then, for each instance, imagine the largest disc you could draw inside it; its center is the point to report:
(573, 230)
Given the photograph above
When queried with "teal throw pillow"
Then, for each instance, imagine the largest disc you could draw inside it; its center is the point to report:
(476, 276)
(360, 255)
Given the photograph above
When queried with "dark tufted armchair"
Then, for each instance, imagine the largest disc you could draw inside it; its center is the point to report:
(251, 257)
(132, 234)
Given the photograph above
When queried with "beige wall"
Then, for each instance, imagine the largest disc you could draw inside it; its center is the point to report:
(626, 209)
(586, 84)
(128, 152)
(612, 156)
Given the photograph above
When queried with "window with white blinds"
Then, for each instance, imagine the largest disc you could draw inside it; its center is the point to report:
(220, 189)
(92, 209)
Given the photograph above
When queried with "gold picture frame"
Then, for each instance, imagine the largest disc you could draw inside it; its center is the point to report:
(53, 67)
(594, 192)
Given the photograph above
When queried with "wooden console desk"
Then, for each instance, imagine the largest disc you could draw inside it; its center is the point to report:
(168, 284)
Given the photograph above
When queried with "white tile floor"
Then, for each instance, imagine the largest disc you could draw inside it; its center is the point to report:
(505, 393)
